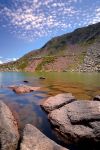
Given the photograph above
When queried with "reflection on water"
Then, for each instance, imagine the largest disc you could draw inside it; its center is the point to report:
(83, 86)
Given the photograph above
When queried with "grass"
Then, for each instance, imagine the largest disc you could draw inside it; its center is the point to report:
(22, 65)
(46, 60)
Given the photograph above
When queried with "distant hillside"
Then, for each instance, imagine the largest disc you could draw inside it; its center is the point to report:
(75, 51)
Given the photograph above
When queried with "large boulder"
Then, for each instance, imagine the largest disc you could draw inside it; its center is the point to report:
(57, 101)
(78, 121)
(9, 135)
(33, 139)
(23, 89)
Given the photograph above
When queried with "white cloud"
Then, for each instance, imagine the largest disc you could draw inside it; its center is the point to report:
(31, 19)
(14, 59)
(7, 60)
(1, 62)
(10, 59)
(93, 17)
(37, 16)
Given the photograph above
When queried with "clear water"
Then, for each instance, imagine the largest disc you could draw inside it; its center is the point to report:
(26, 106)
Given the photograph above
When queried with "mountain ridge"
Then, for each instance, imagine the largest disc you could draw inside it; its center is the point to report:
(67, 52)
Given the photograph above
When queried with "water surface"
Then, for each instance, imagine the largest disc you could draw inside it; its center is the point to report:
(26, 106)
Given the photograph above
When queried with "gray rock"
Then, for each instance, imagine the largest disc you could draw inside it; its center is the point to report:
(33, 139)
(9, 135)
(96, 129)
(83, 111)
(57, 101)
(91, 61)
(73, 121)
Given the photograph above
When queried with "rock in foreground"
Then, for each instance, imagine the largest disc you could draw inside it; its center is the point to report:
(57, 101)
(23, 89)
(78, 121)
(33, 139)
(9, 135)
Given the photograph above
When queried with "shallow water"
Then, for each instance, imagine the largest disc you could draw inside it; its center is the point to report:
(26, 106)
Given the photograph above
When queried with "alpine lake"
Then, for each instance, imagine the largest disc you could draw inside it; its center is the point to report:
(26, 107)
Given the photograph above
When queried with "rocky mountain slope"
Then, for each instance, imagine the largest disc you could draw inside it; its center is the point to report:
(75, 51)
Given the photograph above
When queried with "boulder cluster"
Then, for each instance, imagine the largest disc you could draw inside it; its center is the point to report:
(32, 138)
(91, 61)
(77, 120)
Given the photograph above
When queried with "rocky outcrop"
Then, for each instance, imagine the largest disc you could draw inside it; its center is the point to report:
(9, 135)
(57, 101)
(74, 121)
(23, 89)
(91, 61)
(33, 139)
(77, 121)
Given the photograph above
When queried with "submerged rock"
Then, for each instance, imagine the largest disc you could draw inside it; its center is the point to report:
(9, 135)
(23, 89)
(78, 121)
(33, 139)
(42, 78)
(25, 81)
(96, 98)
(57, 101)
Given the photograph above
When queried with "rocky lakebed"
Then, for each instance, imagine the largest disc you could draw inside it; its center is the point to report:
(78, 121)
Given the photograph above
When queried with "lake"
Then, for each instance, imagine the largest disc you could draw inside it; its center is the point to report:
(26, 106)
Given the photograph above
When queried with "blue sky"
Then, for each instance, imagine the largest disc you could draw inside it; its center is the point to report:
(26, 25)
